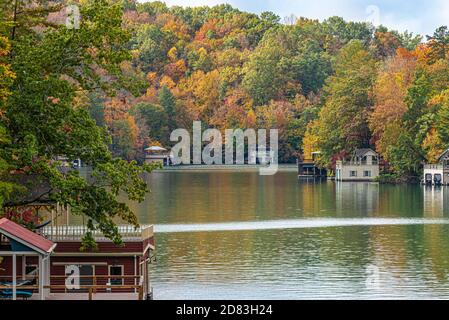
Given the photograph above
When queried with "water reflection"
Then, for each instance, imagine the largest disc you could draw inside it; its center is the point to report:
(302, 264)
(434, 200)
(357, 198)
(251, 237)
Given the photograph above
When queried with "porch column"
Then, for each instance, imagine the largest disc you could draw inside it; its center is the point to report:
(24, 263)
(14, 277)
(47, 276)
(135, 273)
(41, 278)
(147, 274)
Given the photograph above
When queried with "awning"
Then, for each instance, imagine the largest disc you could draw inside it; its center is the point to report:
(155, 148)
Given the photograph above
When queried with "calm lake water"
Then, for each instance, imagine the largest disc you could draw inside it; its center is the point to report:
(239, 235)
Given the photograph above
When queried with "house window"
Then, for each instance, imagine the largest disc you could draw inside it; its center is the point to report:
(367, 173)
(116, 271)
(353, 173)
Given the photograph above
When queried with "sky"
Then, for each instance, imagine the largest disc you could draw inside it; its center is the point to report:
(417, 16)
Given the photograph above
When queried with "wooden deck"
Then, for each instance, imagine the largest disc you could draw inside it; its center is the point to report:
(85, 296)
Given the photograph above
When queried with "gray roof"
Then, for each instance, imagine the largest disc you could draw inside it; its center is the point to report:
(444, 155)
(363, 152)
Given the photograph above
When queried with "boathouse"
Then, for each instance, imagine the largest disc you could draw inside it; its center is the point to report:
(156, 154)
(307, 168)
(363, 166)
(21, 248)
(49, 263)
(437, 174)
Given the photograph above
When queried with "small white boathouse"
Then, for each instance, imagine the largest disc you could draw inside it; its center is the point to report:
(437, 174)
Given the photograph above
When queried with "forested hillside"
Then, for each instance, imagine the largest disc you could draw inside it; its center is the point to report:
(331, 86)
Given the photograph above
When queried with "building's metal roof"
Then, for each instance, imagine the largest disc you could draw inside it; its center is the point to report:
(363, 152)
(155, 148)
(444, 156)
(16, 232)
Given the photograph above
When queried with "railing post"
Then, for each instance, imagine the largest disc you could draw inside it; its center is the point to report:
(90, 293)
(141, 293)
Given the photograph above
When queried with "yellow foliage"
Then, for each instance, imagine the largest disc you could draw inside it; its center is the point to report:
(251, 119)
(172, 54)
(134, 129)
(167, 82)
(6, 75)
(152, 77)
(151, 94)
(310, 140)
(390, 90)
(433, 146)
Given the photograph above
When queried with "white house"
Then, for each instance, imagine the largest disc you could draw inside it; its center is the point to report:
(363, 166)
(437, 174)
(156, 154)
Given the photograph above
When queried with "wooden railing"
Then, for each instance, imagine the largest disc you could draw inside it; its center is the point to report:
(435, 167)
(76, 233)
(91, 289)
(358, 163)
(20, 288)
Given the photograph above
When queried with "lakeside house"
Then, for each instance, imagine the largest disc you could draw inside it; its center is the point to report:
(307, 167)
(437, 174)
(65, 162)
(262, 157)
(156, 154)
(363, 166)
(47, 263)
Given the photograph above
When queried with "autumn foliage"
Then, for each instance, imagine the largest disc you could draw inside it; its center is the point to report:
(329, 86)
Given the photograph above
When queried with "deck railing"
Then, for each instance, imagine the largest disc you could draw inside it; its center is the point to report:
(91, 289)
(76, 233)
(105, 284)
(435, 167)
(358, 163)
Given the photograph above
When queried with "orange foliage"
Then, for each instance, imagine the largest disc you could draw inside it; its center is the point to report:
(170, 23)
(235, 112)
(116, 109)
(176, 70)
(390, 90)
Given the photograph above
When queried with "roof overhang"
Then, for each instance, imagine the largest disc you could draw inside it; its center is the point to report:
(26, 238)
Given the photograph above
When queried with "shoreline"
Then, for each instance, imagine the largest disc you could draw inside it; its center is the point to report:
(225, 168)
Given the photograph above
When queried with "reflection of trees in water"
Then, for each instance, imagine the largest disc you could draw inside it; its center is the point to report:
(435, 200)
(316, 198)
(357, 199)
(408, 255)
(403, 201)
(201, 197)
(436, 250)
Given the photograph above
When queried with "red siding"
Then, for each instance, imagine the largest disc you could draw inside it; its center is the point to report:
(111, 255)
(103, 247)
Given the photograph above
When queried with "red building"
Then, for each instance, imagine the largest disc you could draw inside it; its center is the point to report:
(50, 265)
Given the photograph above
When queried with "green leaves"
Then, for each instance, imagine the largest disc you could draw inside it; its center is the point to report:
(343, 120)
(439, 44)
(46, 117)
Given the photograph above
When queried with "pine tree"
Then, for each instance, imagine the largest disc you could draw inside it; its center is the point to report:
(168, 102)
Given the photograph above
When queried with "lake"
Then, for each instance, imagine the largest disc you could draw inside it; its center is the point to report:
(239, 235)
